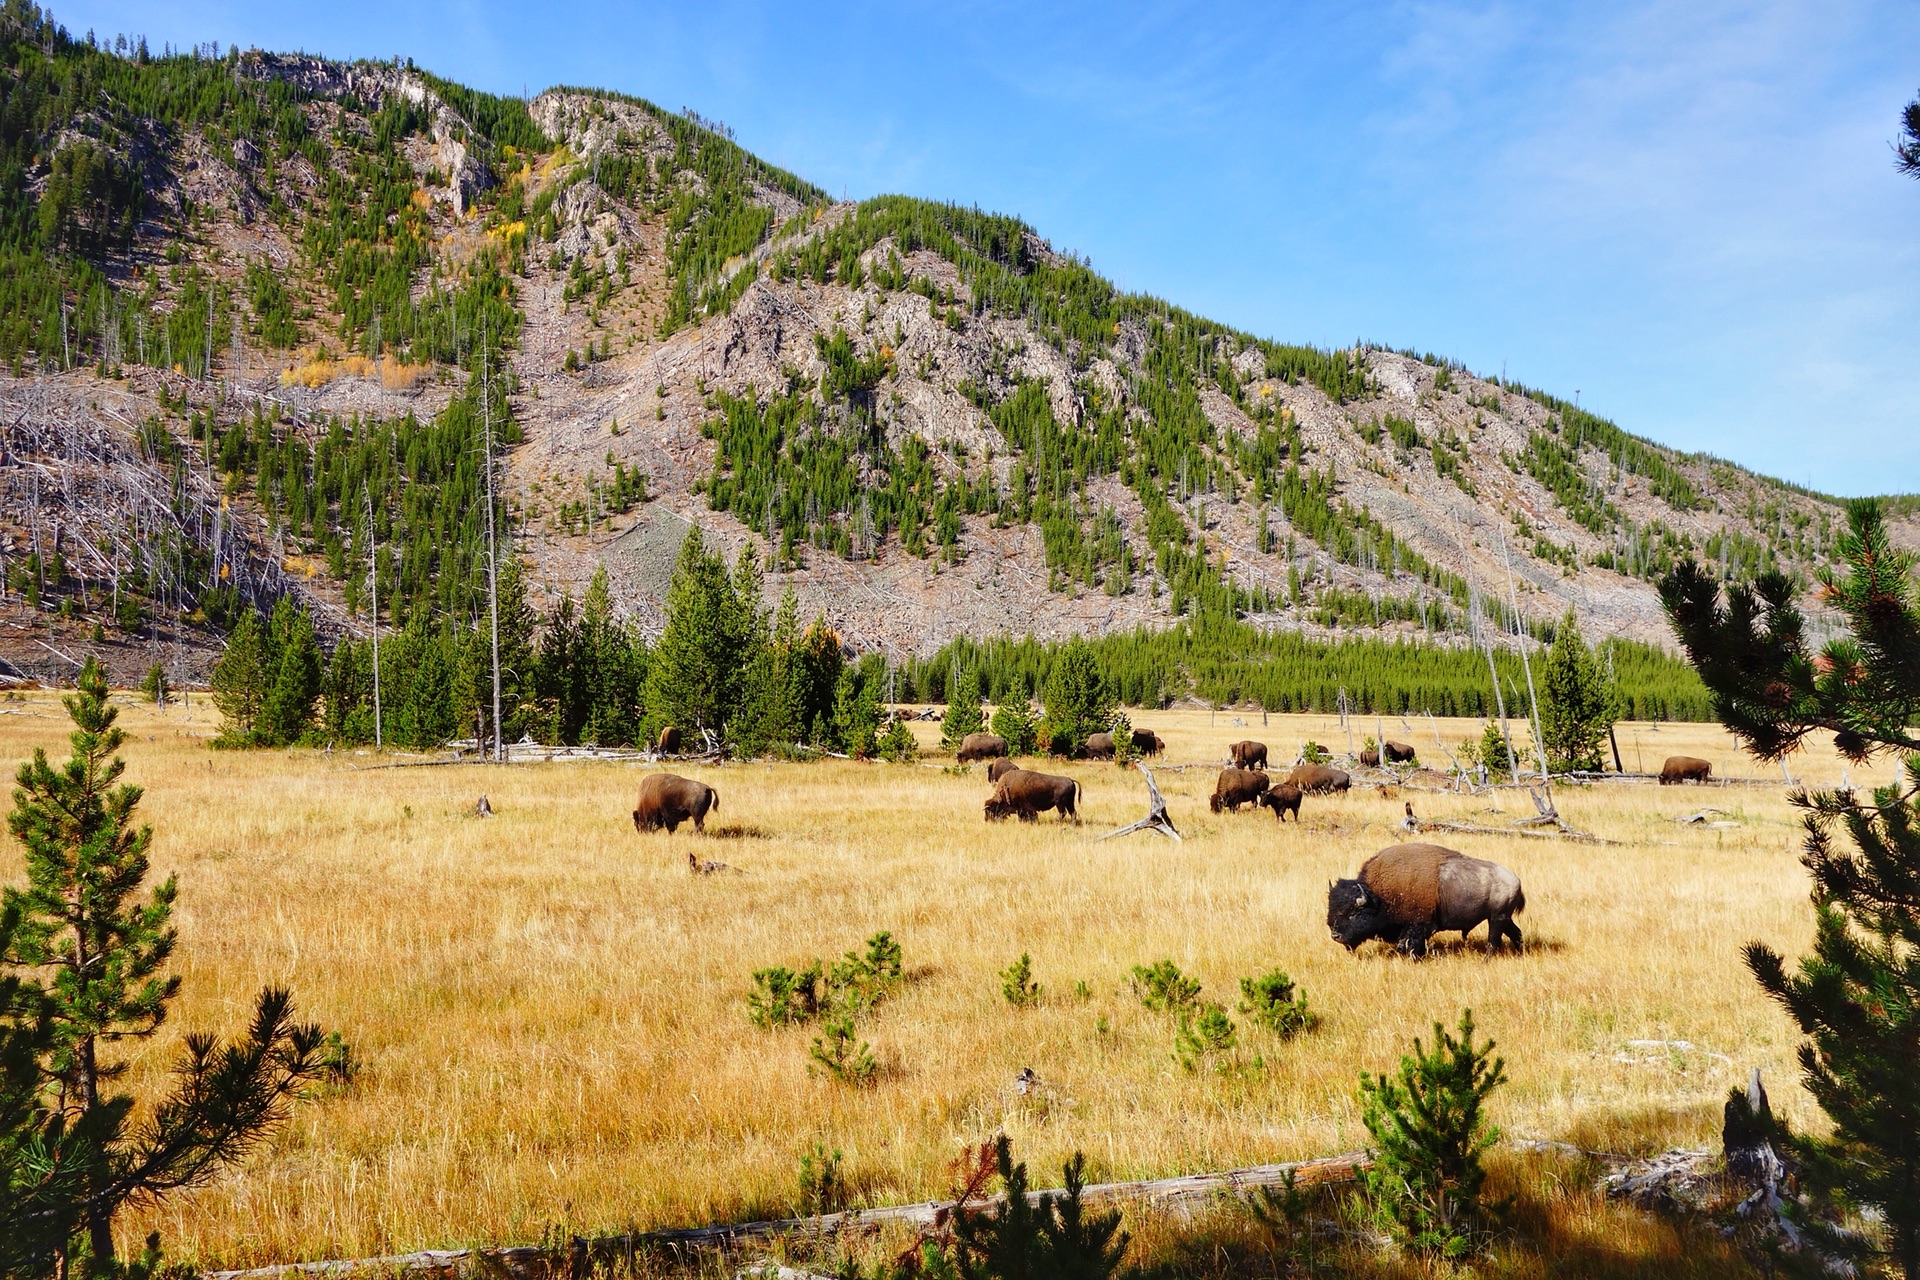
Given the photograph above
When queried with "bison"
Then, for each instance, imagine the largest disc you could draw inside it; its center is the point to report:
(981, 746)
(1022, 793)
(1398, 752)
(1147, 743)
(1315, 778)
(1370, 757)
(1685, 769)
(1236, 787)
(1407, 893)
(667, 800)
(1000, 768)
(669, 743)
(1099, 747)
(1283, 799)
(1248, 755)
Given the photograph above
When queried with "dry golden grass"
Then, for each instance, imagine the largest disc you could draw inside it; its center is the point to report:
(550, 1008)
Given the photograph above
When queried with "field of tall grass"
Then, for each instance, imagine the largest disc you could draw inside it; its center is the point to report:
(549, 1010)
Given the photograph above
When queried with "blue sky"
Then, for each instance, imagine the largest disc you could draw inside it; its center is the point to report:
(1686, 212)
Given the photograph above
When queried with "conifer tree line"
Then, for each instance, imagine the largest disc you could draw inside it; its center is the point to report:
(758, 680)
(1226, 662)
(763, 681)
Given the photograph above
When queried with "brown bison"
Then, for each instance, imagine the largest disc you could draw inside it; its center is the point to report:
(1022, 793)
(1370, 757)
(1685, 769)
(1099, 747)
(1398, 752)
(1000, 768)
(1408, 893)
(981, 746)
(1147, 743)
(669, 743)
(1283, 799)
(1248, 755)
(1236, 787)
(1314, 778)
(667, 800)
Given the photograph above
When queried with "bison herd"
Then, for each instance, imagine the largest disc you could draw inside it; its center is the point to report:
(1402, 896)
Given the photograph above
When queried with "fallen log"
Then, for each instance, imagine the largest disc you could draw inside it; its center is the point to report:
(1188, 1192)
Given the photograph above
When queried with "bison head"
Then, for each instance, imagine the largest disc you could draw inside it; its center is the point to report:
(1215, 802)
(998, 808)
(1354, 914)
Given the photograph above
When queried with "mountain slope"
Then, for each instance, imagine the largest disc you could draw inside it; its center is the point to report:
(289, 303)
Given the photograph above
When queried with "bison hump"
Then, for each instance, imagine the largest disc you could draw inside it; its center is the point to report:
(1407, 878)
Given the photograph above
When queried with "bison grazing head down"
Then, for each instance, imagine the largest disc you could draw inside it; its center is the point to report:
(1355, 914)
(999, 808)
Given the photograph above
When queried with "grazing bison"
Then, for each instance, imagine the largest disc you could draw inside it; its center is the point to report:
(1099, 747)
(669, 743)
(1283, 799)
(1685, 769)
(1248, 755)
(1314, 778)
(981, 746)
(1398, 752)
(1147, 743)
(1370, 757)
(667, 800)
(1000, 768)
(1236, 787)
(1022, 793)
(1409, 892)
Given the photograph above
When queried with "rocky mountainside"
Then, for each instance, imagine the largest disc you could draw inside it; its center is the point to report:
(268, 316)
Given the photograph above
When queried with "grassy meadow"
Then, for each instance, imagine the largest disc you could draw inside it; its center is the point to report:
(549, 1009)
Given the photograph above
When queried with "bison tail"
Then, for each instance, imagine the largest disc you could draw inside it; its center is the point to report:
(1519, 901)
(716, 800)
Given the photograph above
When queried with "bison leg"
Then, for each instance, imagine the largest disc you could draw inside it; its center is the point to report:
(1510, 930)
(672, 824)
(700, 821)
(1414, 941)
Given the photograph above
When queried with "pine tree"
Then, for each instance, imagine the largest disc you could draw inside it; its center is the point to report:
(856, 711)
(771, 710)
(1077, 700)
(97, 941)
(518, 623)
(295, 681)
(817, 677)
(1014, 721)
(1576, 702)
(240, 678)
(615, 669)
(1856, 996)
(1429, 1130)
(701, 658)
(963, 712)
(349, 693)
